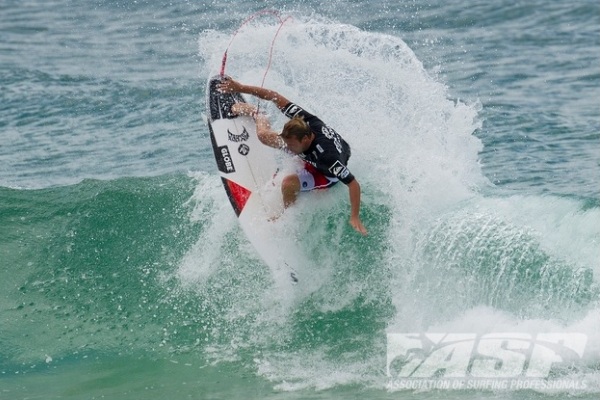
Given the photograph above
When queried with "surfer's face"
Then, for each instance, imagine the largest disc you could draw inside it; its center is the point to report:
(298, 146)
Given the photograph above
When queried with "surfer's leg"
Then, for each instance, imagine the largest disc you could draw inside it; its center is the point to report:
(290, 187)
(311, 179)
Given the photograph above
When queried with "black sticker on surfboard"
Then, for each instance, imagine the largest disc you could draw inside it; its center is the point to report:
(238, 137)
(244, 149)
(224, 160)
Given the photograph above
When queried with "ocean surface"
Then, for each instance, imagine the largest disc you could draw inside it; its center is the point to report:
(475, 129)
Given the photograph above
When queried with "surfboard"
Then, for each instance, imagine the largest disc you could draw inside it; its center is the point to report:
(248, 170)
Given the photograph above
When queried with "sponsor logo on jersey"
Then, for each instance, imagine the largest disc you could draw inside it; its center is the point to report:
(224, 160)
(242, 137)
(338, 169)
(293, 110)
(333, 135)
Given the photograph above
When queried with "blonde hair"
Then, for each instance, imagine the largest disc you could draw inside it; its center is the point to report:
(296, 127)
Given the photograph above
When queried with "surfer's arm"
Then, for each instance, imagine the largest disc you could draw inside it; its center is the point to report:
(354, 190)
(230, 85)
(263, 127)
(265, 134)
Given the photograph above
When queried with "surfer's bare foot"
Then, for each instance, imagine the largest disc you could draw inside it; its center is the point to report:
(244, 109)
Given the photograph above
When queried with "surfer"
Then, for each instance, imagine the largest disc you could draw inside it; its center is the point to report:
(324, 152)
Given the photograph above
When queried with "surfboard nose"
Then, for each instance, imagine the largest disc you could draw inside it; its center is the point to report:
(220, 103)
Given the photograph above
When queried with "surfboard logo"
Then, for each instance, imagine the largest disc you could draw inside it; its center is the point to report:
(244, 149)
(224, 160)
(242, 137)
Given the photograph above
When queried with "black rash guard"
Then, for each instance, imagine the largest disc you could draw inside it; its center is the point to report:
(328, 152)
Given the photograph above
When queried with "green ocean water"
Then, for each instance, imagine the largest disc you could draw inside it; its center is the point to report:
(93, 291)
(96, 302)
(124, 273)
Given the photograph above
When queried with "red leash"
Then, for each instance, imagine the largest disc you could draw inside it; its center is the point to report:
(271, 49)
(246, 21)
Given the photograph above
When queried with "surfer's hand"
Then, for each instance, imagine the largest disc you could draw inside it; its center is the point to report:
(228, 85)
(357, 225)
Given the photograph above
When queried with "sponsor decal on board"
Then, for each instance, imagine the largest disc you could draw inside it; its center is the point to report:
(224, 160)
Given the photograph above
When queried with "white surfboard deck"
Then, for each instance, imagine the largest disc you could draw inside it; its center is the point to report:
(248, 170)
